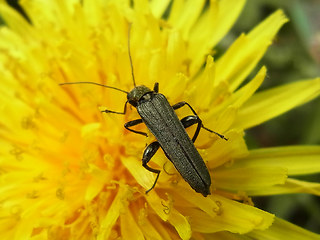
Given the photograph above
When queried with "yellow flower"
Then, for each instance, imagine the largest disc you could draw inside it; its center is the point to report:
(69, 172)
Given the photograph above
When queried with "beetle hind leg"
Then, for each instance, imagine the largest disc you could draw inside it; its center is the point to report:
(147, 155)
(194, 119)
(191, 120)
(188, 121)
(218, 134)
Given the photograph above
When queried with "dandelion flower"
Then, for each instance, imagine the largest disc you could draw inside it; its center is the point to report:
(69, 172)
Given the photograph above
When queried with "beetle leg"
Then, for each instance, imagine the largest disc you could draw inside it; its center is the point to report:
(194, 119)
(147, 155)
(124, 110)
(219, 135)
(133, 123)
(181, 104)
(191, 120)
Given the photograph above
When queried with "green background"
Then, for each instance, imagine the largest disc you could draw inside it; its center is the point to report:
(294, 55)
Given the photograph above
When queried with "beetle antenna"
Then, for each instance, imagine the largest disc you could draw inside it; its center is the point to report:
(130, 58)
(94, 83)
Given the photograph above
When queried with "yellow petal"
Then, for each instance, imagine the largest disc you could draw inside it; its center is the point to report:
(97, 182)
(156, 204)
(282, 229)
(151, 230)
(271, 103)
(16, 22)
(247, 217)
(92, 10)
(56, 12)
(129, 227)
(223, 214)
(24, 228)
(181, 224)
(158, 7)
(77, 174)
(243, 94)
(235, 65)
(144, 177)
(248, 178)
(298, 160)
(162, 228)
(184, 14)
(113, 213)
(213, 24)
(226, 236)
(290, 186)
(204, 84)
(222, 151)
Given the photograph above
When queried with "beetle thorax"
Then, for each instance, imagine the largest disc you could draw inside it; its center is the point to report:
(136, 94)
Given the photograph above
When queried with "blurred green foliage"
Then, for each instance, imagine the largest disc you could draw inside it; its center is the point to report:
(294, 55)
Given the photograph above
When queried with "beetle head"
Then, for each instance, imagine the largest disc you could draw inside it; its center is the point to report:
(136, 94)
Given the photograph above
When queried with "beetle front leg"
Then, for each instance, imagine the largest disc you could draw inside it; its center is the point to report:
(147, 155)
(124, 110)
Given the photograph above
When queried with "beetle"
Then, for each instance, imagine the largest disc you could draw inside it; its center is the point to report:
(162, 121)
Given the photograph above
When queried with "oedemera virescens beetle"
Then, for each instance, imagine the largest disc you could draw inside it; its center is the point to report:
(159, 116)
